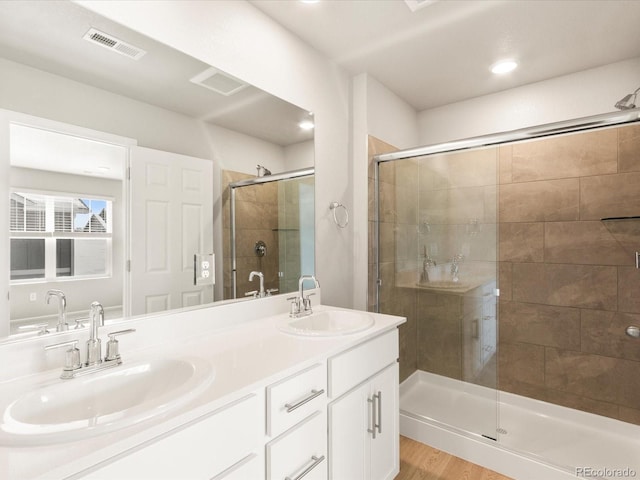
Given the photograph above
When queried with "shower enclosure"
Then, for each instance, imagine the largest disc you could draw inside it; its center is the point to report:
(269, 228)
(513, 257)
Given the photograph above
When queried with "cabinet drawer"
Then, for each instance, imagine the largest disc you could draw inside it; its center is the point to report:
(295, 398)
(354, 366)
(201, 450)
(302, 449)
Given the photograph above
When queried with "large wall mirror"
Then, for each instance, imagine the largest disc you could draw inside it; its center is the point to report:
(123, 153)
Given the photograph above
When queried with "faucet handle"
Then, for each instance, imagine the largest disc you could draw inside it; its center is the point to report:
(307, 303)
(112, 344)
(79, 323)
(271, 290)
(252, 293)
(295, 306)
(71, 358)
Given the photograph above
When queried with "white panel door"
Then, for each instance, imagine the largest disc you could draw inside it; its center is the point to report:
(171, 220)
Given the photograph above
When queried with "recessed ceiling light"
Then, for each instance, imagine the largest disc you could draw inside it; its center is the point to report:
(306, 125)
(504, 66)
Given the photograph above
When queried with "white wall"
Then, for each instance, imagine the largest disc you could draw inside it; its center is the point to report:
(299, 155)
(241, 153)
(379, 112)
(390, 118)
(581, 94)
(242, 41)
(28, 90)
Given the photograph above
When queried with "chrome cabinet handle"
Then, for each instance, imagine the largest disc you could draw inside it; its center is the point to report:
(372, 430)
(316, 461)
(376, 414)
(314, 393)
(379, 424)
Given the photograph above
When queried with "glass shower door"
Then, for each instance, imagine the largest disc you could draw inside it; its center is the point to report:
(438, 267)
(296, 231)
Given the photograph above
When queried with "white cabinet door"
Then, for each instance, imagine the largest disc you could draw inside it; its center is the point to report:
(385, 452)
(355, 452)
(349, 419)
(171, 220)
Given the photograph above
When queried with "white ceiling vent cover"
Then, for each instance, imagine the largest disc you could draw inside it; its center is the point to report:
(114, 44)
(219, 82)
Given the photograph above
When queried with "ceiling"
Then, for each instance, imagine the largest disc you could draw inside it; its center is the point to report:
(442, 53)
(47, 35)
(46, 150)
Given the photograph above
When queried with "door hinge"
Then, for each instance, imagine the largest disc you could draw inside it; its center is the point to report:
(128, 265)
(128, 173)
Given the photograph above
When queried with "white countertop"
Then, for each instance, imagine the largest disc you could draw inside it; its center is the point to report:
(245, 357)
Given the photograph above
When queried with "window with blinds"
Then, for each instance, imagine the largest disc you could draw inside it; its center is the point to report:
(59, 236)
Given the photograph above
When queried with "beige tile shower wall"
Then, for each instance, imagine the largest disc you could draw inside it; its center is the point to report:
(458, 206)
(568, 288)
(256, 219)
(393, 300)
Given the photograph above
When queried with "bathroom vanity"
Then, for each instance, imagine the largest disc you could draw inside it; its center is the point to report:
(257, 401)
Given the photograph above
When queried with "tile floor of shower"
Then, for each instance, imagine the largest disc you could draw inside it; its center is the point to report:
(560, 436)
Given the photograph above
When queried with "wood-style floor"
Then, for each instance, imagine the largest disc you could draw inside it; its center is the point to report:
(421, 462)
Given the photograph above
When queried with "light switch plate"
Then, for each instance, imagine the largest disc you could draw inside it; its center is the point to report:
(204, 269)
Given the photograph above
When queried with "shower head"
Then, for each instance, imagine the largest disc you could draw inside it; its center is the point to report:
(262, 171)
(628, 101)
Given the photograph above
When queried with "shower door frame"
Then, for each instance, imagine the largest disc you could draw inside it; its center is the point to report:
(301, 173)
(529, 133)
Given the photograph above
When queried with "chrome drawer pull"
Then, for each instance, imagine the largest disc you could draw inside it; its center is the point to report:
(379, 425)
(314, 393)
(372, 430)
(316, 461)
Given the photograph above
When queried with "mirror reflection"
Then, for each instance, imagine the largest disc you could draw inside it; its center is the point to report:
(271, 232)
(121, 152)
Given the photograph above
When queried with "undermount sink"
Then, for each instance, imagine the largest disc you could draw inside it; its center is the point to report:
(66, 410)
(328, 323)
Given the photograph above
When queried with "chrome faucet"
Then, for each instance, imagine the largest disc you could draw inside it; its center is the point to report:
(257, 293)
(301, 305)
(94, 345)
(73, 367)
(426, 264)
(455, 267)
(62, 325)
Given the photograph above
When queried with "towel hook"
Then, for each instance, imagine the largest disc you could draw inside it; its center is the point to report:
(335, 206)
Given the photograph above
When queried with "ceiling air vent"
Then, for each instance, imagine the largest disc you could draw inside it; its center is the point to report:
(219, 82)
(114, 44)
